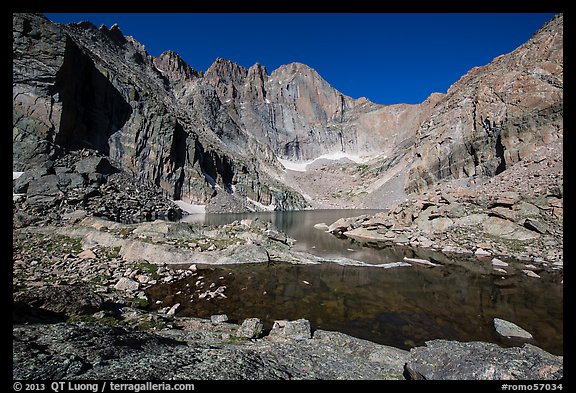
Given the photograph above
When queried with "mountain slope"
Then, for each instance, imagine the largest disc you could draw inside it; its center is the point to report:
(78, 86)
(221, 137)
(495, 115)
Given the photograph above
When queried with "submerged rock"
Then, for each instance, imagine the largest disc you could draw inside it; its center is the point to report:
(498, 263)
(321, 226)
(363, 234)
(173, 310)
(509, 329)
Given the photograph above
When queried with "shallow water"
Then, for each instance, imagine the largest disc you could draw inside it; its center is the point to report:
(402, 307)
(299, 225)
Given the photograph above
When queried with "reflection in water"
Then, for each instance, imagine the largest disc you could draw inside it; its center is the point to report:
(299, 225)
(402, 307)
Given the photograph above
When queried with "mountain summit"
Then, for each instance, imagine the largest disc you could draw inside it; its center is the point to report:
(253, 138)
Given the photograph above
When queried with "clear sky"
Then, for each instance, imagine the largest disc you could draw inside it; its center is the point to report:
(389, 58)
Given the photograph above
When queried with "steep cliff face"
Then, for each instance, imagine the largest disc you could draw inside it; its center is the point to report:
(79, 86)
(297, 113)
(38, 54)
(495, 115)
(220, 133)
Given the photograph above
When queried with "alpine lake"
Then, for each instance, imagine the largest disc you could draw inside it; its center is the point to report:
(402, 307)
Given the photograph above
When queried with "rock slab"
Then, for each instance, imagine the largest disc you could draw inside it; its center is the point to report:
(250, 328)
(509, 329)
(452, 360)
(292, 330)
(55, 301)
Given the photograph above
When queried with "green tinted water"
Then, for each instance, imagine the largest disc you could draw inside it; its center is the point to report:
(402, 307)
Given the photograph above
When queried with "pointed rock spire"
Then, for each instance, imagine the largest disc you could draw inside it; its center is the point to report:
(169, 62)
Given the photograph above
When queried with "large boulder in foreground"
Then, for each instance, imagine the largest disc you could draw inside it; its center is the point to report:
(95, 351)
(442, 359)
(55, 302)
(250, 328)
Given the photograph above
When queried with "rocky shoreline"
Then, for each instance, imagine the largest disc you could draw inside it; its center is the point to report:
(106, 135)
(81, 311)
(503, 220)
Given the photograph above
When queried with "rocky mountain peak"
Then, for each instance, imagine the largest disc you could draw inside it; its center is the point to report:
(227, 78)
(170, 63)
(296, 66)
(258, 69)
(434, 98)
(86, 25)
(295, 69)
(78, 86)
(255, 83)
(116, 29)
(114, 33)
(226, 69)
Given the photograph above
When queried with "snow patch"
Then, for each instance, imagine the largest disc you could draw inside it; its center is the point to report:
(294, 166)
(269, 208)
(301, 166)
(16, 175)
(191, 208)
(340, 155)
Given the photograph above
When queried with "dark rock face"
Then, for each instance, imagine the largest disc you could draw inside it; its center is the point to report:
(220, 133)
(78, 86)
(38, 54)
(87, 181)
(442, 359)
(92, 108)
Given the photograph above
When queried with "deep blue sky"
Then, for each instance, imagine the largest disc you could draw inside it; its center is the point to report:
(389, 58)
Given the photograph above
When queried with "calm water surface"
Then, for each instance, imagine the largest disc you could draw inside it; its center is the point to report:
(299, 225)
(403, 307)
